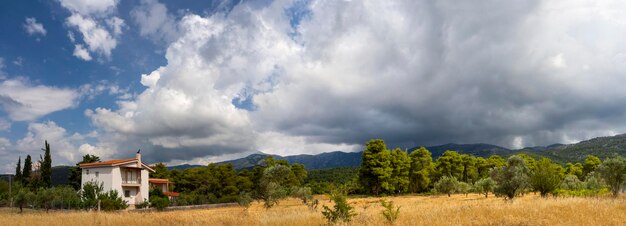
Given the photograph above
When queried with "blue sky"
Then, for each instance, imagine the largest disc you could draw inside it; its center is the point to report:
(204, 81)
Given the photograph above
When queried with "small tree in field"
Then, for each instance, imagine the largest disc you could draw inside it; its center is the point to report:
(464, 188)
(447, 185)
(484, 186)
(341, 212)
(613, 171)
(546, 177)
(512, 178)
(390, 211)
(23, 197)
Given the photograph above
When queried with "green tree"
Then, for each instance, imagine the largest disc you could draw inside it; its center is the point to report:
(23, 197)
(44, 198)
(484, 186)
(613, 171)
(299, 174)
(401, 164)
(575, 169)
(572, 183)
(450, 164)
(375, 172)
(272, 184)
(18, 170)
(75, 172)
(447, 185)
(28, 168)
(46, 166)
(470, 169)
(546, 177)
(421, 168)
(590, 164)
(512, 178)
(160, 171)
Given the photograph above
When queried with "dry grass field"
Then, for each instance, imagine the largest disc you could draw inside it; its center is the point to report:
(415, 210)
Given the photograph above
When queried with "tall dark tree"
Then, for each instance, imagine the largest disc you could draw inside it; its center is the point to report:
(46, 166)
(421, 169)
(75, 172)
(160, 171)
(28, 169)
(18, 170)
(375, 172)
(400, 164)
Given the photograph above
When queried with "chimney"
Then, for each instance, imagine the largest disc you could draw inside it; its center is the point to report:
(138, 157)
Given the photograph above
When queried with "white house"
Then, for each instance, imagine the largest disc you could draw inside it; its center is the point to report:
(130, 177)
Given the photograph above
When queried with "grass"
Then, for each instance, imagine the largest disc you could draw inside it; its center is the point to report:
(416, 210)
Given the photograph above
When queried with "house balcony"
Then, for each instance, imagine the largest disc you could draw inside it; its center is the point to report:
(131, 183)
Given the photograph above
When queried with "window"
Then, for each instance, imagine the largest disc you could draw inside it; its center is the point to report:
(87, 172)
(126, 193)
(97, 174)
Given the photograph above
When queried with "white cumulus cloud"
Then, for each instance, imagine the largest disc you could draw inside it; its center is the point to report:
(23, 101)
(34, 28)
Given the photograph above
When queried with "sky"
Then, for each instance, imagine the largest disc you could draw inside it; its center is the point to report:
(204, 81)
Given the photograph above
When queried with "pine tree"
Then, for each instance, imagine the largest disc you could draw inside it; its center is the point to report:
(401, 164)
(375, 172)
(28, 168)
(46, 166)
(18, 170)
(421, 168)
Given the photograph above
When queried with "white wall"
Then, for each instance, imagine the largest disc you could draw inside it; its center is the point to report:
(105, 176)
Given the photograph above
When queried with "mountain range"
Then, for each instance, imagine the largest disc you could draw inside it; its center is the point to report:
(562, 153)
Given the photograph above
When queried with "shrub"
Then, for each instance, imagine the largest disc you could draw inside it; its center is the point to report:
(391, 212)
(245, 200)
(112, 201)
(484, 186)
(143, 205)
(159, 203)
(341, 212)
(447, 185)
(571, 182)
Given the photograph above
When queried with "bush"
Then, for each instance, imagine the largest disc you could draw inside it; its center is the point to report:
(390, 212)
(245, 200)
(143, 205)
(159, 203)
(447, 185)
(112, 201)
(484, 186)
(582, 192)
(341, 212)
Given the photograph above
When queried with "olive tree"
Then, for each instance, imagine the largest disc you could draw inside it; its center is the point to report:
(613, 171)
(512, 178)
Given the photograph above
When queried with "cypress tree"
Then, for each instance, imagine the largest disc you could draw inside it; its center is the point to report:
(28, 168)
(18, 170)
(46, 166)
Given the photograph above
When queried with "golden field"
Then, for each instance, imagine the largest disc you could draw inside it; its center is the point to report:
(415, 210)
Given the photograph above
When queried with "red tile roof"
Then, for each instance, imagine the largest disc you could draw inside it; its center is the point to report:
(159, 181)
(107, 163)
(171, 193)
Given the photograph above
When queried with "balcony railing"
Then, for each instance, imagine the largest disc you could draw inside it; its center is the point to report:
(136, 181)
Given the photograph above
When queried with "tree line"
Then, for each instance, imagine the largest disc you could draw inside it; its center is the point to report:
(396, 171)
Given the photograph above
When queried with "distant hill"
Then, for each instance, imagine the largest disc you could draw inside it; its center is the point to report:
(602, 147)
(482, 150)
